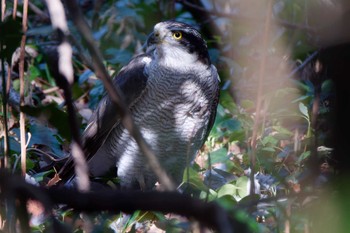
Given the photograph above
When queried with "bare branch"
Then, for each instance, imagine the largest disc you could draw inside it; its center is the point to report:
(21, 89)
(39, 12)
(296, 70)
(3, 9)
(14, 11)
(4, 162)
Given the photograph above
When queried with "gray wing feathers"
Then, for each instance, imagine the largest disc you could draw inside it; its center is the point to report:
(131, 80)
(215, 102)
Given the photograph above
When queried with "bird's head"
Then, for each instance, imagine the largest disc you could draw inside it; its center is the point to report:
(176, 43)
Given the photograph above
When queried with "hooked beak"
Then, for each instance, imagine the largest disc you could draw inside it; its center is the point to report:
(152, 40)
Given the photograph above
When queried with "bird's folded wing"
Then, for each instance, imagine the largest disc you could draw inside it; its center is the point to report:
(131, 80)
(210, 125)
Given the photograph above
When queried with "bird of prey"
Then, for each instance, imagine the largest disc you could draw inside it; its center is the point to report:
(172, 92)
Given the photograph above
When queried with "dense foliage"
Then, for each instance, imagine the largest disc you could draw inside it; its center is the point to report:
(266, 121)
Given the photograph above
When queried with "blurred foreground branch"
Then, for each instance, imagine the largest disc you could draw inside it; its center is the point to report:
(63, 73)
(209, 214)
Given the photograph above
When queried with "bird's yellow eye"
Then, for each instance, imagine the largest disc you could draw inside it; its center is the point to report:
(177, 35)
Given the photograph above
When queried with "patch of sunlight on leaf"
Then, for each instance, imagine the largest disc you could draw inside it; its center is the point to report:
(242, 186)
(227, 189)
(303, 109)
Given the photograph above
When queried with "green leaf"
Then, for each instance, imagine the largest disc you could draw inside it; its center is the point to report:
(247, 104)
(227, 102)
(192, 178)
(77, 91)
(242, 184)
(227, 201)
(269, 149)
(14, 144)
(269, 140)
(327, 86)
(29, 164)
(209, 195)
(227, 189)
(230, 125)
(303, 156)
(85, 76)
(248, 199)
(282, 130)
(41, 175)
(218, 156)
(43, 135)
(118, 56)
(34, 72)
(303, 109)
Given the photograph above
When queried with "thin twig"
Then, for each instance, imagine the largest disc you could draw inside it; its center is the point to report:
(115, 94)
(64, 78)
(4, 110)
(14, 10)
(302, 65)
(49, 155)
(4, 163)
(21, 89)
(39, 12)
(51, 90)
(3, 10)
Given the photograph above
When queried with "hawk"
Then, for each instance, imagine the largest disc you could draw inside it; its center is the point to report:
(172, 92)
